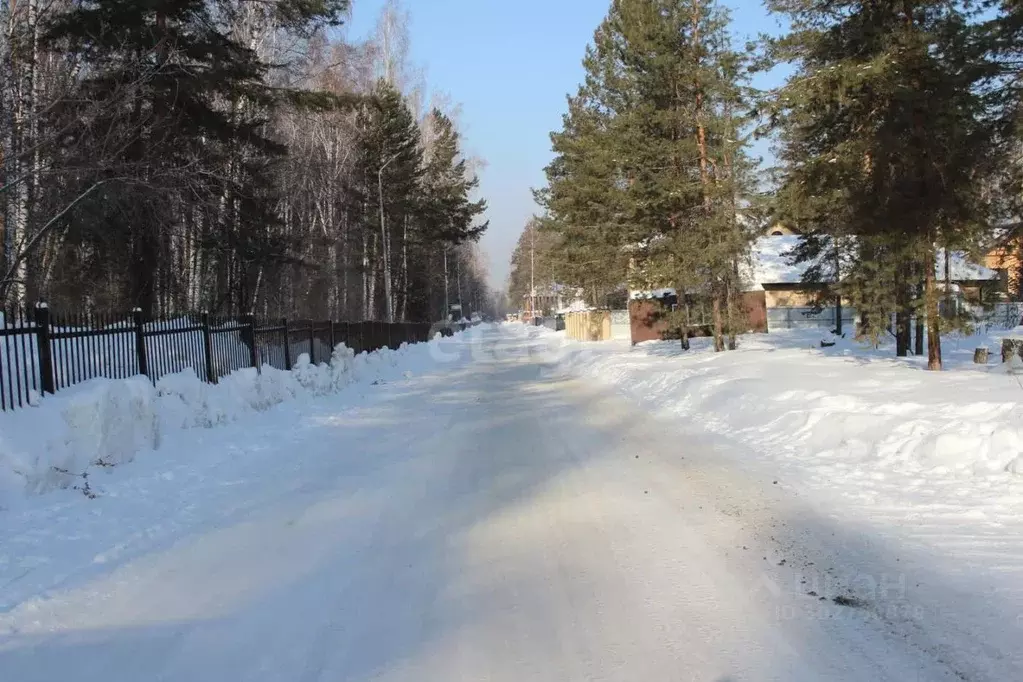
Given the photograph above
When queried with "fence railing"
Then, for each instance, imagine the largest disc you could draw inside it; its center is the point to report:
(807, 317)
(43, 352)
(1002, 315)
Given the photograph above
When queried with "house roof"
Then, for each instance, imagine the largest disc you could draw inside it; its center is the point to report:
(963, 269)
(771, 264)
(576, 306)
(652, 293)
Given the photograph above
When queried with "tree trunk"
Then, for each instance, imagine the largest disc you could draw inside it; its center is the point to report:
(403, 314)
(18, 86)
(701, 143)
(7, 137)
(365, 277)
(719, 343)
(902, 340)
(838, 297)
(933, 319)
(35, 161)
(330, 233)
(731, 316)
(948, 282)
(447, 300)
(385, 249)
(919, 347)
(1011, 348)
(371, 295)
(458, 283)
(344, 283)
(902, 317)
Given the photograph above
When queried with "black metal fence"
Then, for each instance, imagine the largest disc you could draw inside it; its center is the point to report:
(43, 352)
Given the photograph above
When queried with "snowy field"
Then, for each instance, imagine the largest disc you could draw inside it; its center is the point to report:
(484, 507)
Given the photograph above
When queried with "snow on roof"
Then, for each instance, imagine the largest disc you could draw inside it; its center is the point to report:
(652, 293)
(547, 290)
(771, 264)
(576, 306)
(963, 269)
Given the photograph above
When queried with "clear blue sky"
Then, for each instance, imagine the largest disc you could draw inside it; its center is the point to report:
(510, 66)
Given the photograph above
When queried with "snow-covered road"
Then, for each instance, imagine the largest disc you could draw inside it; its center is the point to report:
(495, 521)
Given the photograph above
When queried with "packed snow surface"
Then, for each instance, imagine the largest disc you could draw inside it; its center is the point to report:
(928, 464)
(487, 508)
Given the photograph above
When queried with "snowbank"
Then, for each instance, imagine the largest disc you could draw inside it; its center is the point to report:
(843, 413)
(105, 422)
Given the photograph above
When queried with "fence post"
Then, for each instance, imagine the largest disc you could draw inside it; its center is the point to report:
(47, 381)
(140, 341)
(312, 342)
(333, 342)
(248, 332)
(287, 345)
(207, 345)
(347, 340)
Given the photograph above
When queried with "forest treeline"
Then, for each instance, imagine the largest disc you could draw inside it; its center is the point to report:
(230, 156)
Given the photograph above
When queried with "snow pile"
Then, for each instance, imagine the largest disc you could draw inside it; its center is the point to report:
(844, 413)
(104, 422)
(107, 422)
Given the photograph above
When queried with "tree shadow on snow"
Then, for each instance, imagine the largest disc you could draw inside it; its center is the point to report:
(434, 528)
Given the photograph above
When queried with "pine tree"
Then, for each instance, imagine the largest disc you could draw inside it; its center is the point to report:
(191, 103)
(583, 198)
(391, 161)
(536, 260)
(650, 168)
(449, 214)
(412, 204)
(888, 136)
